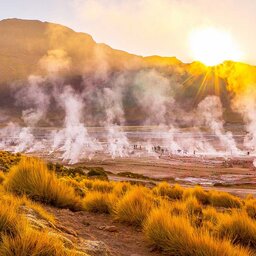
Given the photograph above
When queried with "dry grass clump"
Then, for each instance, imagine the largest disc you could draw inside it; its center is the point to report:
(17, 234)
(226, 200)
(210, 214)
(99, 202)
(8, 159)
(2, 177)
(135, 206)
(33, 243)
(10, 221)
(87, 183)
(250, 208)
(78, 188)
(193, 207)
(199, 193)
(121, 188)
(31, 177)
(239, 228)
(22, 204)
(175, 236)
(102, 186)
(166, 190)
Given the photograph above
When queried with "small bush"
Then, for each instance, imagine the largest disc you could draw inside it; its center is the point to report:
(102, 186)
(87, 183)
(226, 200)
(192, 207)
(2, 177)
(250, 208)
(199, 193)
(135, 206)
(121, 188)
(31, 177)
(33, 243)
(99, 202)
(175, 236)
(239, 228)
(78, 188)
(97, 172)
(166, 190)
(210, 214)
(10, 221)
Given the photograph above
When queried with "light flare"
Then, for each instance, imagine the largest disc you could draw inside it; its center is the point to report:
(212, 46)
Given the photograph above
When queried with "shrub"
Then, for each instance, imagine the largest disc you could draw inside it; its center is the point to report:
(250, 208)
(175, 236)
(22, 204)
(226, 200)
(192, 207)
(87, 183)
(102, 186)
(2, 177)
(172, 192)
(97, 172)
(239, 228)
(33, 243)
(199, 193)
(134, 207)
(210, 214)
(120, 188)
(8, 159)
(78, 188)
(10, 221)
(99, 202)
(177, 208)
(31, 177)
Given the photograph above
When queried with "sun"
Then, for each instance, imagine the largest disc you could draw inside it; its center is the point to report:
(212, 46)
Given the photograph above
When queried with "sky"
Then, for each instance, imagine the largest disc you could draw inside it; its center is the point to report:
(146, 27)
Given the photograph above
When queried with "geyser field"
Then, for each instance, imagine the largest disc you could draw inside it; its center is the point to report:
(107, 153)
(153, 116)
(203, 150)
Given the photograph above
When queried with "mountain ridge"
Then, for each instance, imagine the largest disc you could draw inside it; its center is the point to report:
(33, 47)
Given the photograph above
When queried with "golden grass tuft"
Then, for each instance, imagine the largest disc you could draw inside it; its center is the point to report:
(33, 243)
(239, 228)
(199, 193)
(121, 188)
(32, 178)
(250, 208)
(99, 202)
(175, 236)
(134, 207)
(10, 221)
(2, 177)
(193, 207)
(223, 199)
(102, 186)
(171, 192)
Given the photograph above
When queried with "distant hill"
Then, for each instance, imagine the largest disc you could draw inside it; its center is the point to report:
(30, 47)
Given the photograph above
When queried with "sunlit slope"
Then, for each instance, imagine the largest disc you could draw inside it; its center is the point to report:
(25, 46)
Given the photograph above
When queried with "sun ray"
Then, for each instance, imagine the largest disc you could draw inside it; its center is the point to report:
(202, 87)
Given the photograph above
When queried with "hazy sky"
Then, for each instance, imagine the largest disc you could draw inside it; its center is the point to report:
(146, 27)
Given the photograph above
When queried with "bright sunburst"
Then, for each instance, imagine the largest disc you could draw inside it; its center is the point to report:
(212, 46)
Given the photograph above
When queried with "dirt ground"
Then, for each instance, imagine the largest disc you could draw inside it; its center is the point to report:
(124, 241)
(236, 175)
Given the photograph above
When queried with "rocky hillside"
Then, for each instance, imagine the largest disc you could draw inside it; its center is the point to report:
(44, 49)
